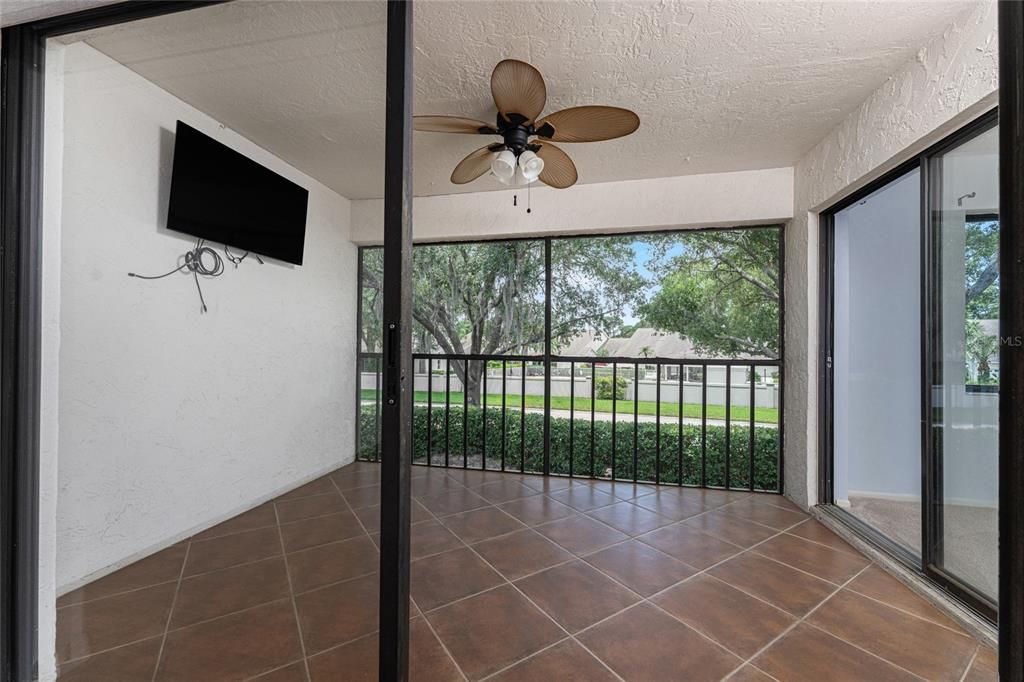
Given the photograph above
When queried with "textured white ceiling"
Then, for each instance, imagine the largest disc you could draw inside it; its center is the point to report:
(22, 11)
(719, 85)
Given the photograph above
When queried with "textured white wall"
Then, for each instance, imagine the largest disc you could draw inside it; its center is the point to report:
(950, 81)
(743, 198)
(171, 420)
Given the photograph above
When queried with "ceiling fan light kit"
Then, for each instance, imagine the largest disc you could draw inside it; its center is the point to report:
(525, 152)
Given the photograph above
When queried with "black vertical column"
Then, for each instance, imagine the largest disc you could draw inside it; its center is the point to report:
(21, 147)
(396, 417)
(1011, 348)
(547, 357)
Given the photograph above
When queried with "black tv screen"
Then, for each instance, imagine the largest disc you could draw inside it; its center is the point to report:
(225, 197)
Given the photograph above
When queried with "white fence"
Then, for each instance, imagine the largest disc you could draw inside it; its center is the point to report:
(765, 394)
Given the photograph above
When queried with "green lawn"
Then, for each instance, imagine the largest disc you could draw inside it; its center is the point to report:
(764, 415)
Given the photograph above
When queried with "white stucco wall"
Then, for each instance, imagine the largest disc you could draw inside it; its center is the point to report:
(756, 197)
(950, 81)
(172, 420)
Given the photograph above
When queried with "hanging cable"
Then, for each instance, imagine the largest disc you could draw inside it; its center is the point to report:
(194, 262)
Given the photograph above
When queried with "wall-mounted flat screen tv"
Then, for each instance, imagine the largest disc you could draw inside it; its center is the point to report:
(225, 197)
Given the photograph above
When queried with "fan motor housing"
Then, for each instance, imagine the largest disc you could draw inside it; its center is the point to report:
(516, 138)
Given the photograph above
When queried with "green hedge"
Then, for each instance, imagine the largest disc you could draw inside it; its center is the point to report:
(766, 446)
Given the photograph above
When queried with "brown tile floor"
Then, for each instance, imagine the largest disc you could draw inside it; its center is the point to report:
(514, 578)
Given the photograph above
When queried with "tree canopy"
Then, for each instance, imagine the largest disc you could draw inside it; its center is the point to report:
(718, 288)
(722, 292)
(487, 298)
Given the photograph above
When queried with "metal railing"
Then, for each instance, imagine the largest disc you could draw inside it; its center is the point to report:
(687, 422)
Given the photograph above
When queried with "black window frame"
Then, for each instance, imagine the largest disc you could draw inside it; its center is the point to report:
(548, 357)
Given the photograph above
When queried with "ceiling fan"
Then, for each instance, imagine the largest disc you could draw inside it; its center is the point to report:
(519, 94)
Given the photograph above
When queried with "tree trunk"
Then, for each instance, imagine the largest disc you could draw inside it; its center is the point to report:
(471, 381)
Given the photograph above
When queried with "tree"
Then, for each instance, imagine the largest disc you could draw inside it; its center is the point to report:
(980, 347)
(722, 292)
(981, 269)
(488, 298)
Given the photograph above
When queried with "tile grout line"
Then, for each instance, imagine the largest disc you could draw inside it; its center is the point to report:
(265, 673)
(956, 631)
(970, 664)
(526, 658)
(534, 604)
(582, 556)
(413, 601)
(291, 593)
(803, 621)
(170, 612)
(117, 594)
(437, 637)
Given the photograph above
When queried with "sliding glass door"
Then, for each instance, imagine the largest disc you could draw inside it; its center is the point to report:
(911, 363)
(964, 337)
(876, 361)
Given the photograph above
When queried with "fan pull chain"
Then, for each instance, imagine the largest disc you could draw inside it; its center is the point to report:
(515, 198)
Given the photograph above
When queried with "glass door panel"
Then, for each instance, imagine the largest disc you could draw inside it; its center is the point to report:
(965, 348)
(877, 361)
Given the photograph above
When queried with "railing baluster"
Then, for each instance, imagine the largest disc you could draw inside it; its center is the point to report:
(593, 383)
(483, 392)
(728, 426)
(615, 409)
(504, 433)
(430, 410)
(472, 436)
(376, 410)
(704, 425)
(572, 412)
(753, 400)
(636, 415)
(465, 417)
(679, 436)
(657, 426)
(447, 410)
(522, 420)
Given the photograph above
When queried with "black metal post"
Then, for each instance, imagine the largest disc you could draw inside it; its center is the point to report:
(447, 409)
(504, 432)
(430, 411)
(376, 407)
(359, 353)
(679, 436)
(483, 420)
(20, 255)
(704, 425)
(1011, 332)
(396, 454)
(465, 416)
(572, 413)
(728, 426)
(636, 415)
(593, 383)
(657, 427)
(615, 399)
(547, 356)
(522, 420)
(753, 402)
